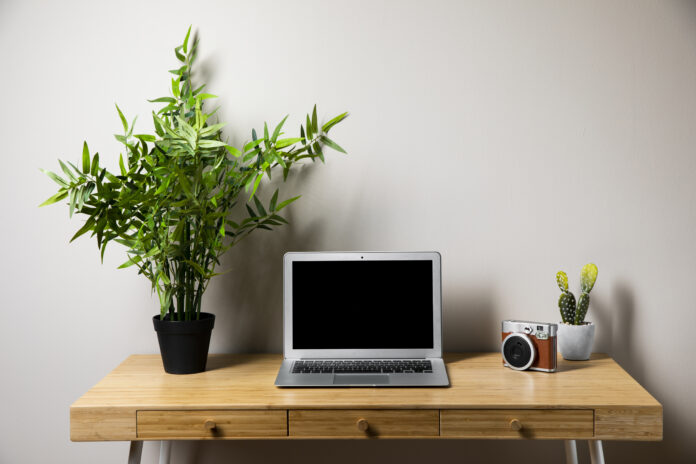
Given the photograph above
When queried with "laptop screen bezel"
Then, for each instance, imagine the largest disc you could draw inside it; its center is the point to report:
(290, 352)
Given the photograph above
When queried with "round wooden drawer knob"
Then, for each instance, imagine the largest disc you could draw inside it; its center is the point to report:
(210, 424)
(363, 425)
(515, 425)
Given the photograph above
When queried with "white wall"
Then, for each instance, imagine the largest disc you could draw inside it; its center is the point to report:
(517, 138)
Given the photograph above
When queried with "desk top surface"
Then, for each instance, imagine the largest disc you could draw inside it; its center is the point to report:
(478, 380)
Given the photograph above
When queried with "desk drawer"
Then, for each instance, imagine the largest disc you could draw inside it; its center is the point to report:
(367, 423)
(211, 424)
(517, 423)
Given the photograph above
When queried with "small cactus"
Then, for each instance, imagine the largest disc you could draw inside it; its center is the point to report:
(572, 313)
(562, 281)
(588, 277)
(581, 311)
(566, 302)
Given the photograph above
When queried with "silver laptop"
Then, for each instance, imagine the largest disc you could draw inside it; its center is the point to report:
(355, 319)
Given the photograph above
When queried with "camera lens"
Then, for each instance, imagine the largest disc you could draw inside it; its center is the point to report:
(518, 351)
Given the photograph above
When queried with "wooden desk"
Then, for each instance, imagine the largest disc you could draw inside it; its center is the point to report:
(236, 399)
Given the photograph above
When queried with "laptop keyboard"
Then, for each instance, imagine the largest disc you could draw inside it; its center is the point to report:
(399, 366)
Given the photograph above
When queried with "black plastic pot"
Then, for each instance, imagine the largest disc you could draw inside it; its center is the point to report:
(184, 344)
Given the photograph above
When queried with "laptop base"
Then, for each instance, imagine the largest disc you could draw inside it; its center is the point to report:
(437, 378)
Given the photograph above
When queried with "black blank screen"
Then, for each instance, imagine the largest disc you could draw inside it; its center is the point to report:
(362, 304)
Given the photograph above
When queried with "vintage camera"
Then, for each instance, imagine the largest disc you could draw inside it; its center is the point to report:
(529, 345)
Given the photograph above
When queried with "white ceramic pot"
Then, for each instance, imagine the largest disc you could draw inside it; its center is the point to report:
(575, 341)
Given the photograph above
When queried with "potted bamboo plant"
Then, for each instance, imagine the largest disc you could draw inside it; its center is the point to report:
(182, 197)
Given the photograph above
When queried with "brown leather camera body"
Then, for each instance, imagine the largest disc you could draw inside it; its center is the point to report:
(545, 345)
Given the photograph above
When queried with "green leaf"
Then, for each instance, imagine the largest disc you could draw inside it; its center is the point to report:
(85, 158)
(286, 202)
(332, 144)
(67, 171)
(196, 266)
(124, 122)
(175, 88)
(178, 72)
(209, 130)
(315, 127)
(282, 143)
(326, 127)
(133, 260)
(111, 177)
(146, 137)
(276, 132)
(163, 100)
(132, 126)
(253, 144)
(185, 185)
(205, 96)
(55, 198)
(168, 109)
(279, 218)
(158, 125)
(95, 164)
(58, 180)
(310, 132)
(186, 40)
(73, 201)
(80, 194)
(274, 199)
(259, 206)
(211, 143)
(256, 184)
(178, 54)
(89, 225)
(318, 151)
(233, 151)
(252, 213)
(151, 252)
(122, 166)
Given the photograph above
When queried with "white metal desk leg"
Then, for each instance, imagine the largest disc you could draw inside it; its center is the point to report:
(165, 452)
(596, 451)
(136, 450)
(571, 452)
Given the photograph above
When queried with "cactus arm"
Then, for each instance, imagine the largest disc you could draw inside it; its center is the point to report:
(566, 303)
(583, 304)
(588, 277)
(562, 281)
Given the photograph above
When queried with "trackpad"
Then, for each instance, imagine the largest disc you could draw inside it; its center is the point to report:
(360, 379)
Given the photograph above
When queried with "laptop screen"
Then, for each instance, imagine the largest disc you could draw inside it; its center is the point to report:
(362, 304)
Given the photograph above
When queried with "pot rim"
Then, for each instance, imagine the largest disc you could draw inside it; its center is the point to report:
(584, 324)
(204, 324)
(204, 317)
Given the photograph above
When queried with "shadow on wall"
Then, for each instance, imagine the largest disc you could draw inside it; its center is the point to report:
(615, 327)
(468, 320)
(248, 299)
(615, 321)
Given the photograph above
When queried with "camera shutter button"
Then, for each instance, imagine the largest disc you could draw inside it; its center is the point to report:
(515, 425)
